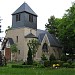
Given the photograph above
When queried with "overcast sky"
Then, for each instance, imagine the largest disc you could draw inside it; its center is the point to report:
(43, 8)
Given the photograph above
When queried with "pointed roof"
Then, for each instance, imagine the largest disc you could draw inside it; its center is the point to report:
(30, 35)
(25, 8)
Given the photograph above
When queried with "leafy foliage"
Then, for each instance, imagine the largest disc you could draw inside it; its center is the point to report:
(43, 57)
(33, 45)
(52, 25)
(13, 48)
(52, 57)
(63, 57)
(64, 30)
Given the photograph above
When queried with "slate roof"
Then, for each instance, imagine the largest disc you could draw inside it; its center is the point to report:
(24, 8)
(30, 35)
(52, 39)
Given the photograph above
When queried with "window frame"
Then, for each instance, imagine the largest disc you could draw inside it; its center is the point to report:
(17, 39)
(17, 17)
(30, 18)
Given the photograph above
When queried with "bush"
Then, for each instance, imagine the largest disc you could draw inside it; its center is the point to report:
(52, 57)
(73, 65)
(63, 57)
(70, 61)
(43, 57)
(21, 66)
(67, 65)
(57, 62)
(24, 63)
(40, 66)
(46, 63)
(35, 63)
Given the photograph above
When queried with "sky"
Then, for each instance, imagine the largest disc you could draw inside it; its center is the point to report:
(43, 8)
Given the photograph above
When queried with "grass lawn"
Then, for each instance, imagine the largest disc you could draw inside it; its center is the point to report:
(36, 71)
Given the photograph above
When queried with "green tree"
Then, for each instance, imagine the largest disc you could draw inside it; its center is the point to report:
(67, 31)
(52, 25)
(29, 58)
(14, 50)
(64, 29)
(33, 44)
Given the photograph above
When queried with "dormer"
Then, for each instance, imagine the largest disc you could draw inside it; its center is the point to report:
(24, 16)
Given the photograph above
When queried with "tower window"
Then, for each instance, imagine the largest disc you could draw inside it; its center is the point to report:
(17, 17)
(30, 18)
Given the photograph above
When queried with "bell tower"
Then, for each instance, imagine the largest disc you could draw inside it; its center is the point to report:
(24, 16)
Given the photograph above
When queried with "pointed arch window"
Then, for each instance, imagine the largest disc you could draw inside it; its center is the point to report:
(45, 47)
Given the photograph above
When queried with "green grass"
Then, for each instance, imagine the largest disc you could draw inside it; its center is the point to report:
(36, 71)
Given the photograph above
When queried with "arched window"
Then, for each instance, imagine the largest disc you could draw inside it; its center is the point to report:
(45, 47)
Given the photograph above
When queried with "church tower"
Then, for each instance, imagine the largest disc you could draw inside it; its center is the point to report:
(24, 28)
(24, 16)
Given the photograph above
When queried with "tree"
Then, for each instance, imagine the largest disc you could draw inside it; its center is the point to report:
(64, 30)
(14, 50)
(33, 45)
(67, 31)
(29, 58)
(52, 25)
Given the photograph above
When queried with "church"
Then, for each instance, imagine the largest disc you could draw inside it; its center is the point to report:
(24, 28)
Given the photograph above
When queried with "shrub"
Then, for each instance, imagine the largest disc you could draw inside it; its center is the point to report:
(35, 63)
(40, 66)
(70, 61)
(52, 57)
(67, 65)
(21, 66)
(73, 65)
(43, 57)
(46, 63)
(63, 57)
(24, 63)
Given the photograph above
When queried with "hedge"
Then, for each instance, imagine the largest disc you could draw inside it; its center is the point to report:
(22, 66)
